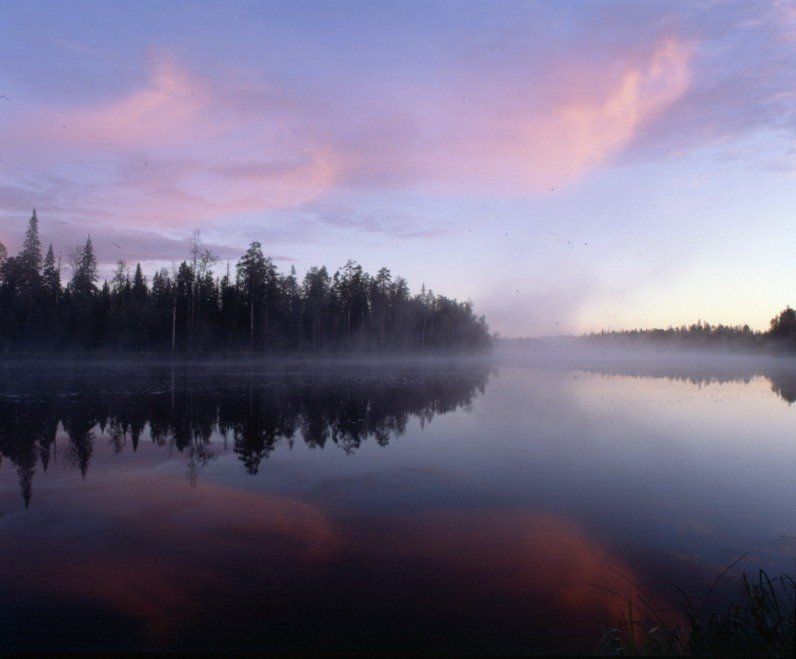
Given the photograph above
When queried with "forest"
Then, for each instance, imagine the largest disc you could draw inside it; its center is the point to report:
(780, 336)
(251, 308)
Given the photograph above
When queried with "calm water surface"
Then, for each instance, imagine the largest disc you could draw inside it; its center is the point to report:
(461, 507)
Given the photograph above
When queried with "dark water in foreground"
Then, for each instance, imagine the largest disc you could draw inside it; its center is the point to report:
(461, 507)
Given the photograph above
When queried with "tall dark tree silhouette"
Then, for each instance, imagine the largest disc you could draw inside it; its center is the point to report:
(783, 328)
(253, 274)
(21, 288)
(784, 325)
(190, 309)
(315, 290)
(51, 278)
(139, 285)
(30, 260)
(84, 280)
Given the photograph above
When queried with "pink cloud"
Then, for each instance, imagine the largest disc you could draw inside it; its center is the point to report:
(579, 136)
(185, 192)
(182, 149)
(168, 108)
(186, 149)
(521, 149)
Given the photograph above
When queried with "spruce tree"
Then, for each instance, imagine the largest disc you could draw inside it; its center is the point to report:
(260, 308)
(29, 259)
(85, 278)
(51, 278)
(139, 285)
(252, 275)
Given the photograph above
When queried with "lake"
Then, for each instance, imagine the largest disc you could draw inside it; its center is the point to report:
(462, 506)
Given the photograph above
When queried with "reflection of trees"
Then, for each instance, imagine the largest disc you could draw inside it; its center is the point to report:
(182, 409)
(783, 381)
(27, 436)
(784, 387)
(79, 424)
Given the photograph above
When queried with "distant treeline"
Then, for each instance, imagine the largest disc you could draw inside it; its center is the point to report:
(253, 308)
(780, 337)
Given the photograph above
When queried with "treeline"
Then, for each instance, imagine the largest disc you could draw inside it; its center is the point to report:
(253, 308)
(781, 335)
(202, 413)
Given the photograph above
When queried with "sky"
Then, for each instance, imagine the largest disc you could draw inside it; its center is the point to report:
(567, 166)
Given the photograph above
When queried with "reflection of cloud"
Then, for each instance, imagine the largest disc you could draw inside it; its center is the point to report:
(163, 547)
(524, 557)
(167, 557)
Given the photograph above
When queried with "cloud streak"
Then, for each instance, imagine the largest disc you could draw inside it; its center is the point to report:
(357, 134)
(185, 149)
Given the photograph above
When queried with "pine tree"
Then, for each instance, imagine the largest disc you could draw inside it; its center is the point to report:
(315, 292)
(139, 285)
(84, 281)
(29, 259)
(51, 278)
(120, 280)
(260, 308)
(252, 275)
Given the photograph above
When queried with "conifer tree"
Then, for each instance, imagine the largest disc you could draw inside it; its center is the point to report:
(51, 278)
(139, 285)
(84, 281)
(190, 309)
(29, 259)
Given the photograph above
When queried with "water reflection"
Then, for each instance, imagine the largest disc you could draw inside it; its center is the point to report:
(482, 532)
(696, 369)
(182, 409)
(782, 380)
(244, 571)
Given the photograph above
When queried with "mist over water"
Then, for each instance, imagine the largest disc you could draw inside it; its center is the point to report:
(646, 359)
(258, 266)
(465, 504)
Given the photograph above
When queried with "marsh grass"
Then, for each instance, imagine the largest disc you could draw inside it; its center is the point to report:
(760, 624)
